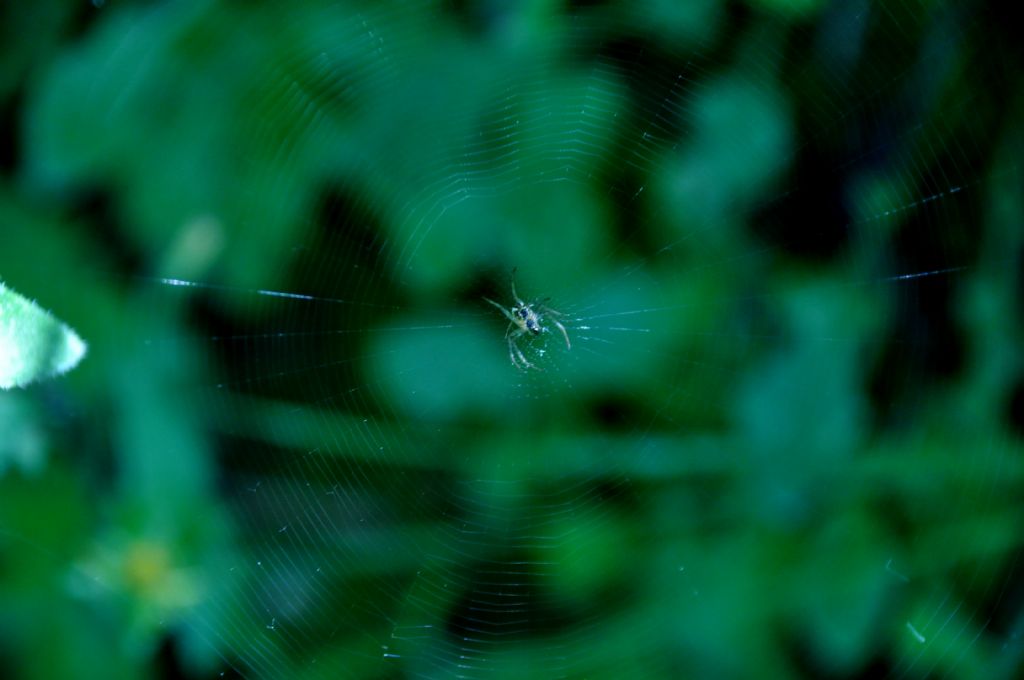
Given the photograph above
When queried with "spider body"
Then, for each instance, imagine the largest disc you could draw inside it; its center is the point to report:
(526, 319)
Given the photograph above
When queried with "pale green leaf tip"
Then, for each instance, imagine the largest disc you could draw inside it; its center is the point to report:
(33, 344)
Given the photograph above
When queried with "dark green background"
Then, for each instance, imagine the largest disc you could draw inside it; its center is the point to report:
(785, 235)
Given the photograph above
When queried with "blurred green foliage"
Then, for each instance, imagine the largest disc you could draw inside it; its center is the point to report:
(786, 238)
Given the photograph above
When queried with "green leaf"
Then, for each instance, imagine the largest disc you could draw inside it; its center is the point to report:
(33, 345)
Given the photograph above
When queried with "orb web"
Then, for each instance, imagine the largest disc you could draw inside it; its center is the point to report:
(764, 291)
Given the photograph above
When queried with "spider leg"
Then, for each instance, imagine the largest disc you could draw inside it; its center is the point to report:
(519, 359)
(522, 358)
(514, 295)
(508, 314)
(553, 313)
(565, 335)
(511, 356)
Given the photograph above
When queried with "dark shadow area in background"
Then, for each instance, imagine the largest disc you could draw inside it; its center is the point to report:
(168, 662)
(1005, 605)
(10, 133)
(1015, 407)
(810, 222)
(95, 209)
(346, 225)
(807, 665)
(924, 347)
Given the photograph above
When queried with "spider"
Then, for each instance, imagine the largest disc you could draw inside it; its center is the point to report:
(525, 320)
